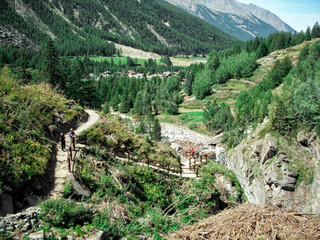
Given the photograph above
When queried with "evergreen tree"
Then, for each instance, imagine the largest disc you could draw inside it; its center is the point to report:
(125, 102)
(138, 105)
(262, 50)
(315, 33)
(172, 85)
(74, 82)
(87, 93)
(167, 61)
(308, 34)
(50, 64)
(188, 83)
(156, 131)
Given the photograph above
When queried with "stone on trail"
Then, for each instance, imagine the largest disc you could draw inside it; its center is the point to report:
(79, 190)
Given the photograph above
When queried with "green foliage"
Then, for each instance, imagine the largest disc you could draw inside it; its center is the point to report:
(50, 66)
(202, 84)
(62, 213)
(208, 174)
(26, 122)
(156, 130)
(306, 102)
(172, 85)
(217, 118)
(106, 108)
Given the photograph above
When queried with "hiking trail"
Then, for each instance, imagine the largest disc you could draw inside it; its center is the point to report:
(61, 172)
(185, 136)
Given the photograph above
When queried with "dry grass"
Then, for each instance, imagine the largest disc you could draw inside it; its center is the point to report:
(249, 221)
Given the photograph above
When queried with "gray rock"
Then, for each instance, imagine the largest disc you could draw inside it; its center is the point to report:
(221, 155)
(176, 146)
(79, 190)
(279, 175)
(37, 236)
(27, 226)
(101, 235)
(269, 149)
(5, 204)
(70, 237)
(256, 153)
(32, 200)
(34, 221)
(311, 141)
(3, 225)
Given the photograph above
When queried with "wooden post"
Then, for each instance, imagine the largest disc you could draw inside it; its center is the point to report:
(69, 157)
(197, 171)
(168, 168)
(190, 163)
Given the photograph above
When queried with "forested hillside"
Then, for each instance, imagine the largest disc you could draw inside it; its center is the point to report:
(84, 27)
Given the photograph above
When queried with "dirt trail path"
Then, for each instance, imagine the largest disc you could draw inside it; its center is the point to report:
(183, 134)
(61, 172)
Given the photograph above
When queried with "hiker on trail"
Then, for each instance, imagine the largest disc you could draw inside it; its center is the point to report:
(62, 138)
(192, 152)
(72, 137)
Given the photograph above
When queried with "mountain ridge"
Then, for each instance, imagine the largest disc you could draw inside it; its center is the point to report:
(244, 21)
(88, 26)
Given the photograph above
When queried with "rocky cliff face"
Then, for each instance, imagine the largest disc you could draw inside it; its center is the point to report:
(244, 21)
(280, 170)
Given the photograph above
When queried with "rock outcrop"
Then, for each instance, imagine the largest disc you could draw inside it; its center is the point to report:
(278, 171)
(10, 36)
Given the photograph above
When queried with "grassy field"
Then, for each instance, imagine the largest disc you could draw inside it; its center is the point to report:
(123, 60)
(140, 61)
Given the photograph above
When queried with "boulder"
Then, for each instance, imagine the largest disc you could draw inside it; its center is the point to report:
(257, 148)
(37, 236)
(100, 235)
(279, 175)
(269, 148)
(311, 141)
(79, 190)
(32, 200)
(5, 204)
(221, 155)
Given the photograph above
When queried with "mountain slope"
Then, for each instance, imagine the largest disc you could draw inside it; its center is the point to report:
(87, 26)
(244, 21)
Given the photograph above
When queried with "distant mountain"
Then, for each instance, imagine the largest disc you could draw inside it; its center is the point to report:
(244, 21)
(86, 26)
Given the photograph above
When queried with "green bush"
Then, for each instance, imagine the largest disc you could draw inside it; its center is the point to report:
(66, 214)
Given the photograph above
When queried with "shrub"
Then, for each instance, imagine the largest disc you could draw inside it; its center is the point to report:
(62, 213)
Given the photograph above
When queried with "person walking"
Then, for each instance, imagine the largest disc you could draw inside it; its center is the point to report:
(72, 137)
(62, 138)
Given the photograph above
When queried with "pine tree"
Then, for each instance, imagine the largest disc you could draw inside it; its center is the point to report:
(167, 61)
(74, 83)
(125, 102)
(315, 33)
(156, 130)
(308, 34)
(188, 83)
(50, 64)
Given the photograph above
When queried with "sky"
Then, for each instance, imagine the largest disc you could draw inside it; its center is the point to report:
(299, 14)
